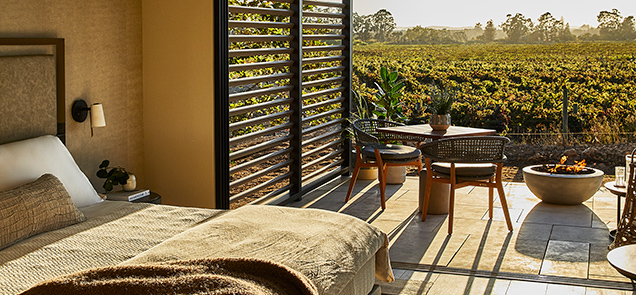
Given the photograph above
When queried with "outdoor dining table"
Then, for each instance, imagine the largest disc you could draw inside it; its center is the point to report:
(440, 192)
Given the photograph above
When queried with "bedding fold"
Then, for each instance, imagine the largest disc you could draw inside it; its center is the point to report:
(219, 276)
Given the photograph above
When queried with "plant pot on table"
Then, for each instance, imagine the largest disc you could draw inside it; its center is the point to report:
(440, 122)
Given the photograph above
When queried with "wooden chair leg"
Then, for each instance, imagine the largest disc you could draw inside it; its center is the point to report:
(451, 201)
(427, 189)
(502, 196)
(356, 171)
(491, 193)
(382, 178)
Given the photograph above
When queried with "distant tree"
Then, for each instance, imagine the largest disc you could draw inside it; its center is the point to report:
(627, 30)
(609, 24)
(516, 27)
(384, 25)
(548, 28)
(478, 26)
(363, 26)
(566, 34)
(489, 32)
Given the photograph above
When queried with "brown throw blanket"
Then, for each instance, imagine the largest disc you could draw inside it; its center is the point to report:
(205, 276)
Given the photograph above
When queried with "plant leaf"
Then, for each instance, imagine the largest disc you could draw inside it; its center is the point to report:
(104, 164)
(393, 76)
(384, 73)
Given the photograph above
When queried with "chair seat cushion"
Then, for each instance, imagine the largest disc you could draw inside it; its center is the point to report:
(466, 170)
(393, 153)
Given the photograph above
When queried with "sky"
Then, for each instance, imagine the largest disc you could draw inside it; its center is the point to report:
(466, 13)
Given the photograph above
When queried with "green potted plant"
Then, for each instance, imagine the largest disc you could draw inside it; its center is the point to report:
(389, 105)
(363, 108)
(440, 107)
(116, 176)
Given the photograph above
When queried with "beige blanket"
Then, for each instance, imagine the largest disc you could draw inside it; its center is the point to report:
(206, 276)
(326, 247)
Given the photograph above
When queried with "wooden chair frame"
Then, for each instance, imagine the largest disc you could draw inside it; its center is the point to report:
(455, 183)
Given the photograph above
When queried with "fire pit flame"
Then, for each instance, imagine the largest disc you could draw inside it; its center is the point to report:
(577, 168)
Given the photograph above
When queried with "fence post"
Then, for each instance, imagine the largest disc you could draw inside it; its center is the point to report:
(296, 94)
(565, 113)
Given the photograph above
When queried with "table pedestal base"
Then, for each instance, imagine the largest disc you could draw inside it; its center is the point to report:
(440, 194)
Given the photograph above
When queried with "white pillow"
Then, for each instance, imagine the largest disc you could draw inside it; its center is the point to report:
(25, 161)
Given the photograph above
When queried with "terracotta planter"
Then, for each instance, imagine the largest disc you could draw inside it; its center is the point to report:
(562, 189)
(396, 175)
(368, 173)
(440, 122)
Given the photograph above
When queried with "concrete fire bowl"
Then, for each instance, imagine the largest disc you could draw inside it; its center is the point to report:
(562, 189)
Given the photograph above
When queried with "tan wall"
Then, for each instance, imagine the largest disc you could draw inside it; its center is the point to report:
(178, 100)
(103, 64)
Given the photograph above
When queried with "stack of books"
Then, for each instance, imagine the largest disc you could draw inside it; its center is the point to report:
(127, 196)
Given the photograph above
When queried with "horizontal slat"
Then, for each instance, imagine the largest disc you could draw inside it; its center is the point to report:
(321, 82)
(260, 51)
(322, 115)
(260, 65)
(259, 134)
(261, 186)
(260, 25)
(258, 120)
(323, 103)
(258, 79)
(323, 3)
(260, 173)
(323, 92)
(323, 37)
(254, 93)
(259, 160)
(323, 14)
(260, 38)
(314, 60)
(323, 71)
(322, 137)
(259, 106)
(322, 170)
(322, 126)
(320, 181)
(259, 10)
(267, 197)
(324, 147)
(323, 26)
(323, 48)
(323, 158)
(259, 147)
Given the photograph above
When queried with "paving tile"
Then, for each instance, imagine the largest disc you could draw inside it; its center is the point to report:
(527, 288)
(483, 251)
(580, 234)
(577, 215)
(604, 218)
(598, 291)
(599, 267)
(422, 246)
(461, 284)
(568, 259)
(556, 289)
(405, 287)
(524, 256)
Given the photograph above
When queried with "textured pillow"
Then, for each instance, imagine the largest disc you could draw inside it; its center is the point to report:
(35, 207)
(24, 161)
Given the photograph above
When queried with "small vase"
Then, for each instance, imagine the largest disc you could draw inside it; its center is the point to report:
(131, 184)
(440, 122)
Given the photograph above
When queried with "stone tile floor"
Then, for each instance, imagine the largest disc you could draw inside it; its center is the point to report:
(552, 250)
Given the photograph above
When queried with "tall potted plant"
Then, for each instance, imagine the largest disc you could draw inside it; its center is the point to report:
(363, 108)
(440, 107)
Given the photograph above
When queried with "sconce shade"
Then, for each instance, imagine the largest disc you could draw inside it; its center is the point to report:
(97, 116)
(79, 110)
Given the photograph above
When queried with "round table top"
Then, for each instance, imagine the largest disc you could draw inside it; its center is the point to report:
(621, 191)
(623, 259)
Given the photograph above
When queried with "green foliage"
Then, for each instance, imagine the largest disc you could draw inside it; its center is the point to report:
(389, 97)
(113, 175)
(513, 88)
(363, 108)
(441, 100)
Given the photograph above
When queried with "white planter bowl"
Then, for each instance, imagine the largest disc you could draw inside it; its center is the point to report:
(562, 189)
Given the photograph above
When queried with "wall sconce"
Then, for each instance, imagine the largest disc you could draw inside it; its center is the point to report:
(80, 110)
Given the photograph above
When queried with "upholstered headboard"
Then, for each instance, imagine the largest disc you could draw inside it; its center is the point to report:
(32, 88)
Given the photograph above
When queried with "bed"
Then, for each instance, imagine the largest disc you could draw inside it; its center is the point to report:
(54, 225)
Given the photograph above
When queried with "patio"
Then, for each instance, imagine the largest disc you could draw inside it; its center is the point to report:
(552, 250)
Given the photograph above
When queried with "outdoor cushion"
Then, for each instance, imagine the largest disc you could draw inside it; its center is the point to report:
(393, 152)
(466, 170)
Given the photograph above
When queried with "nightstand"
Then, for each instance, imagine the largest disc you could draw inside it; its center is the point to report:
(153, 198)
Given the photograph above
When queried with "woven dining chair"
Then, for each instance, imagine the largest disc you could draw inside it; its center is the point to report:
(626, 231)
(378, 149)
(466, 161)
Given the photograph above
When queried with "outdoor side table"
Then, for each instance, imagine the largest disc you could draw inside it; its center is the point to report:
(619, 192)
(623, 259)
(440, 193)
